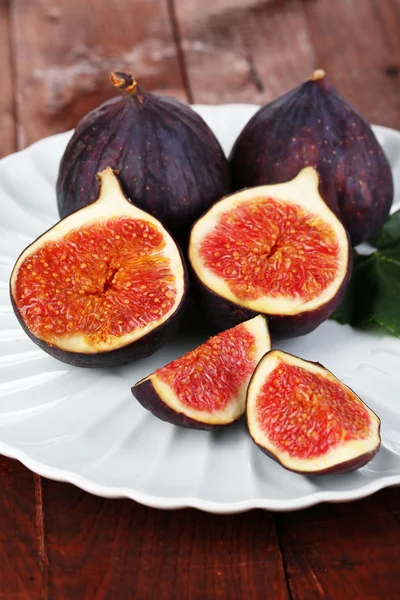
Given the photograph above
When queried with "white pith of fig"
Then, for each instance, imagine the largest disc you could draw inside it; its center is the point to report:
(301, 415)
(99, 282)
(207, 386)
(274, 249)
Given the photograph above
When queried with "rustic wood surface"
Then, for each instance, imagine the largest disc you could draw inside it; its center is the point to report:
(58, 542)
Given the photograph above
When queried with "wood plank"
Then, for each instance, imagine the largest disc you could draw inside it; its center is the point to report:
(345, 550)
(118, 549)
(358, 44)
(23, 566)
(244, 50)
(7, 122)
(64, 52)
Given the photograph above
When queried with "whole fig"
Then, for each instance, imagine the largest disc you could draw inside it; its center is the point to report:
(314, 125)
(169, 161)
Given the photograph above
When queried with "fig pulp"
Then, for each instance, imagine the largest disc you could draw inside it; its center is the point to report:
(207, 387)
(171, 164)
(306, 419)
(102, 287)
(277, 250)
(313, 125)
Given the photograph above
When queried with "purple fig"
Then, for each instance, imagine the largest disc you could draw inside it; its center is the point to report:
(170, 163)
(313, 125)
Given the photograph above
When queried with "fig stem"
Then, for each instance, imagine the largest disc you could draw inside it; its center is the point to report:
(124, 82)
(317, 75)
(107, 171)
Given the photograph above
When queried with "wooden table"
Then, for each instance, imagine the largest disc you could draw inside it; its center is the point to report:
(57, 542)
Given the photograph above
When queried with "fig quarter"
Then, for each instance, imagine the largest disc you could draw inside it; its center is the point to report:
(206, 388)
(301, 415)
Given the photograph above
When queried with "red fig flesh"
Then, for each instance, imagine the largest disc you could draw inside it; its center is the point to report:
(171, 164)
(103, 286)
(306, 419)
(276, 250)
(314, 125)
(207, 387)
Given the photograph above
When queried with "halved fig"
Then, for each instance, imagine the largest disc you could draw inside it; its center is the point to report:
(276, 250)
(207, 387)
(305, 418)
(102, 287)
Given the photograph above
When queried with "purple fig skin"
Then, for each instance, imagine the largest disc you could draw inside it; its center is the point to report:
(313, 125)
(169, 161)
(141, 348)
(225, 314)
(345, 467)
(147, 396)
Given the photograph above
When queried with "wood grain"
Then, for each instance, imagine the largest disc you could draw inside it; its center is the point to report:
(119, 549)
(22, 571)
(244, 51)
(358, 44)
(64, 52)
(7, 121)
(345, 550)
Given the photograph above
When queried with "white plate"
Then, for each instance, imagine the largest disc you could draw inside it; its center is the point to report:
(84, 426)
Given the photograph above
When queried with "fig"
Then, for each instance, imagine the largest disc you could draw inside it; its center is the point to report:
(171, 164)
(276, 250)
(206, 387)
(104, 286)
(314, 125)
(301, 415)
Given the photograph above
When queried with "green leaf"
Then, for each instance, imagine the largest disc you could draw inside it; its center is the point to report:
(356, 306)
(373, 294)
(389, 236)
(386, 304)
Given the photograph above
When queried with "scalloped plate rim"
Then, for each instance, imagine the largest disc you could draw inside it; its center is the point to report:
(178, 502)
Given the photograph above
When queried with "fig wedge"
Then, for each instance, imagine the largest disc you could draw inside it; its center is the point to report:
(301, 415)
(206, 387)
(277, 250)
(104, 286)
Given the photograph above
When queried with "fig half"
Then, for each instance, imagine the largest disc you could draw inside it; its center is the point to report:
(277, 250)
(207, 387)
(314, 125)
(305, 418)
(102, 287)
(170, 162)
